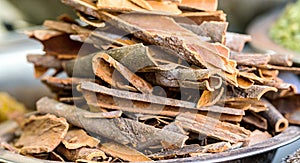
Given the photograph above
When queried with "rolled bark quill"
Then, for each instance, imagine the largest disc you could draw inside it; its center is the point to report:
(275, 118)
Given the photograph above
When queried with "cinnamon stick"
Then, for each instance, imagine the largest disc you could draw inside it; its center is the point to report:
(213, 128)
(148, 135)
(275, 118)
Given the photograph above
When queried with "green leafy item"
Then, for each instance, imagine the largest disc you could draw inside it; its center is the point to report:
(286, 30)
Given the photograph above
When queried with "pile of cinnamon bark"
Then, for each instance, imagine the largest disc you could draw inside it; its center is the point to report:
(142, 80)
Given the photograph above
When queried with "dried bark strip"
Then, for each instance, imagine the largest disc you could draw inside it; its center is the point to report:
(48, 129)
(295, 70)
(192, 149)
(175, 127)
(254, 92)
(200, 17)
(59, 26)
(236, 42)
(209, 98)
(203, 5)
(93, 87)
(213, 128)
(257, 137)
(97, 62)
(166, 79)
(107, 115)
(214, 30)
(251, 59)
(123, 131)
(77, 138)
(281, 60)
(142, 3)
(137, 52)
(90, 154)
(46, 61)
(275, 118)
(287, 105)
(44, 34)
(123, 152)
(106, 101)
(139, 7)
(256, 120)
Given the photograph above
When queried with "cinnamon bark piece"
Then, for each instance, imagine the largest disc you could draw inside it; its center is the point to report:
(244, 83)
(203, 5)
(251, 76)
(63, 47)
(257, 137)
(53, 156)
(77, 138)
(101, 59)
(142, 3)
(213, 29)
(163, 8)
(251, 59)
(255, 92)
(42, 63)
(90, 154)
(275, 118)
(295, 70)
(268, 74)
(59, 26)
(191, 150)
(236, 42)
(104, 101)
(46, 61)
(167, 79)
(44, 34)
(213, 128)
(293, 117)
(175, 127)
(123, 152)
(281, 60)
(117, 5)
(288, 104)
(200, 17)
(138, 6)
(93, 87)
(121, 130)
(177, 39)
(251, 104)
(209, 98)
(194, 148)
(153, 31)
(48, 130)
(137, 53)
(256, 120)
(107, 115)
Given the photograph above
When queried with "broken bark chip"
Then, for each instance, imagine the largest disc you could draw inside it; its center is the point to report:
(48, 130)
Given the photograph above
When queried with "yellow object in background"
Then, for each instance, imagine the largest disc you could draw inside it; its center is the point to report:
(9, 107)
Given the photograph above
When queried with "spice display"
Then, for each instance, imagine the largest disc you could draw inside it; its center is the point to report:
(147, 80)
